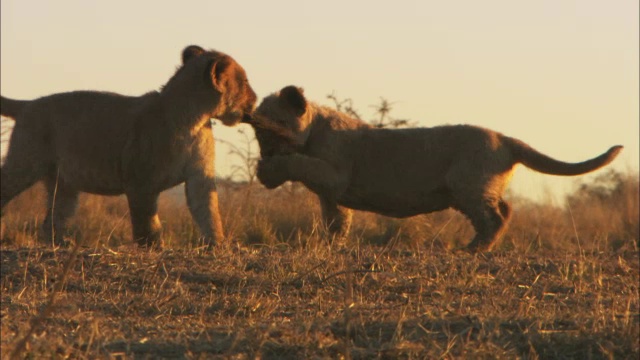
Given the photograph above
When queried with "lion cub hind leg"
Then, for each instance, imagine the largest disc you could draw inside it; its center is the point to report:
(337, 220)
(489, 219)
(147, 230)
(62, 202)
(27, 162)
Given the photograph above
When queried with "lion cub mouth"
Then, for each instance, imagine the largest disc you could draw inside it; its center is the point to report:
(273, 138)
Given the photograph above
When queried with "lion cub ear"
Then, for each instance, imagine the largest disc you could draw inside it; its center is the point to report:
(190, 52)
(294, 96)
(217, 70)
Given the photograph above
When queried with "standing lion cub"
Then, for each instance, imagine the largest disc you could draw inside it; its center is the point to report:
(396, 173)
(110, 144)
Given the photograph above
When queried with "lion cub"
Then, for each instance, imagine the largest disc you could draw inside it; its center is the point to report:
(110, 144)
(397, 173)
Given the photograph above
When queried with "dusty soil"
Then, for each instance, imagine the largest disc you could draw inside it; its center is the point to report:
(359, 302)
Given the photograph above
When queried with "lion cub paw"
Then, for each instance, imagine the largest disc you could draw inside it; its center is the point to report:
(272, 171)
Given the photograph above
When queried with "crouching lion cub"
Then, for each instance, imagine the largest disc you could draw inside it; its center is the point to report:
(396, 173)
(109, 144)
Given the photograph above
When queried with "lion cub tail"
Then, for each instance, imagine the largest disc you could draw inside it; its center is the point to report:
(12, 108)
(537, 161)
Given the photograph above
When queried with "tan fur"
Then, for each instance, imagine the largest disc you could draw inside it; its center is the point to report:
(398, 173)
(108, 144)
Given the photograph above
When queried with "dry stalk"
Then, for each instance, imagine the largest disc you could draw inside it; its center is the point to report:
(37, 321)
(299, 277)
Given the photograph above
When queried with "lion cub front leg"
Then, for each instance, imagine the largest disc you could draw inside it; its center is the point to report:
(202, 200)
(200, 189)
(317, 175)
(147, 230)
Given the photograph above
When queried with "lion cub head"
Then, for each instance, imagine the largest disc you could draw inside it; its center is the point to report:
(282, 122)
(221, 85)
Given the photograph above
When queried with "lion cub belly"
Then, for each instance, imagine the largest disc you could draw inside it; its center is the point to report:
(386, 180)
(399, 202)
(102, 179)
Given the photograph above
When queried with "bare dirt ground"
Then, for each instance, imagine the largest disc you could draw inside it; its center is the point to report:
(315, 302)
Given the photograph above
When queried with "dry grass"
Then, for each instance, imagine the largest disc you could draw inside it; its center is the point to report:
(563, 284)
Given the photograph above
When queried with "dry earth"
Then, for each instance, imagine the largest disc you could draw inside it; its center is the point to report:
(314, 302)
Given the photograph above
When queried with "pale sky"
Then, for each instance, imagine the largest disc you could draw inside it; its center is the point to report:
(559, 75)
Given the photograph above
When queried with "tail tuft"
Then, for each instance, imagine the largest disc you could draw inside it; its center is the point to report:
(614, 151)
